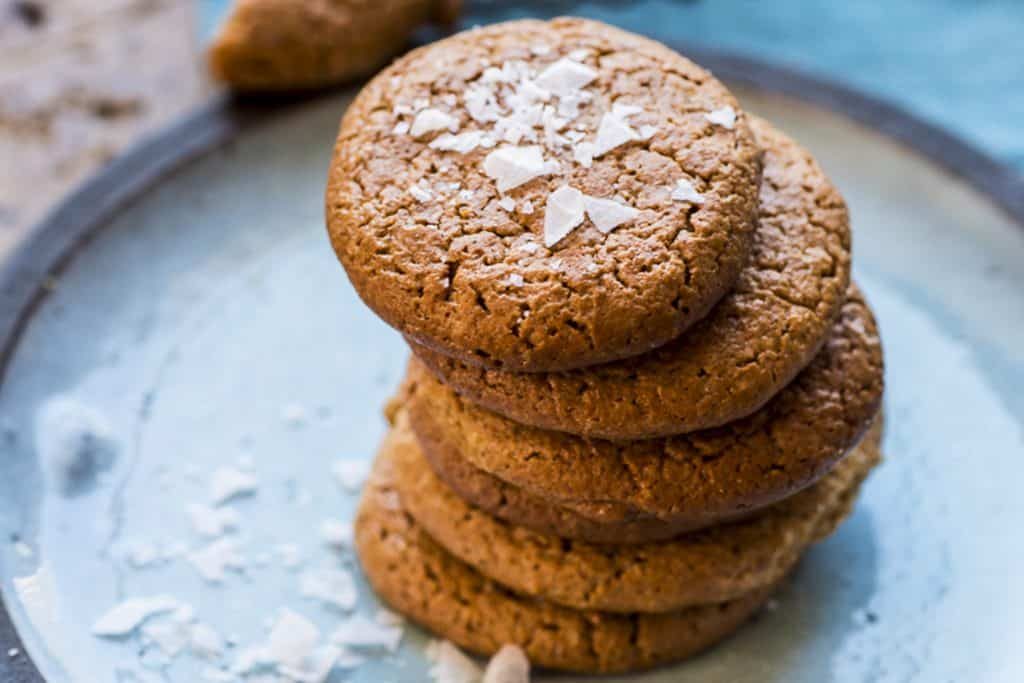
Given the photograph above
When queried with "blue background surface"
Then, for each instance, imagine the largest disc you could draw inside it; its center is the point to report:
(956, 63)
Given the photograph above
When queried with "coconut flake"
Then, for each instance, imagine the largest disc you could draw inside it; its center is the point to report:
(292, 639)
(507, 203)
(213, 560)
(205, 642)
(508, 665)
(210, 521)
(350, 473)
(511, 167)
(516, 280)
(463, 143)
(583, 154)
(401, 128)
(540, 49)
(451, 665)
(624, 111)
(336, 534)
(420, 193)
(607, 214)
(125, 617)
(612, 132)
(566, 76)
(685, 192)
(361, 633)
(526, 208)
(481, 104)
(335, 587)
(564, 213)
(648, 132)
(228, 483)
(723, 116)
(289, 554)
(432, 121)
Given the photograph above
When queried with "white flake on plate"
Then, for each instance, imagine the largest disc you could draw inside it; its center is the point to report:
(171, 635)
(294, 415)
(607, 214)
(463, 143)
(142, 554)
(401, 128)
(315, 668)
(451, 665)
(386, 617)
(566, 76)
(507, 203)
(420, 193)
(684, 191)
(511, 167)
(205, 642)
(334, 587)
(125, 617)
(75, 444)
(289, 554)
(13, 652)
(23, 550)
(292, 639)
(350, 473)
(360, 633)
(212, 522)
(229, 482)
(245, 461)
(214, 559)
(612, 132)
(723, 116)
(563, 214)
(217, 675)
(508, 665)
(526, 208)
(336, 533)
(433, 121)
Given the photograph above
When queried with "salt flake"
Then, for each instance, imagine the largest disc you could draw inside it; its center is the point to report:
(228, 483)
(511, 167)
(508, 665)
(724, 117)
(350, 473)
(685, 192)
(451, 665)
(607, 214)
(335, 587)
(124, 618)
(564, 213)
(566, 76)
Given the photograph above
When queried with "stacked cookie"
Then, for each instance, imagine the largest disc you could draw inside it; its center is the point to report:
(643, 383)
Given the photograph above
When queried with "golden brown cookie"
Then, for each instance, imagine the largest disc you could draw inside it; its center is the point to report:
(422, 581)
(456, 169)
(698, 478)
(728, 365)
(269, 45)
(715, 565)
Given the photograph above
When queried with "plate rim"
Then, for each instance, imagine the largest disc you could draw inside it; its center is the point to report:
(50, 245)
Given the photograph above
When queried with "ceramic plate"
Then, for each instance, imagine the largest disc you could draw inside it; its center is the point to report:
(187, 305)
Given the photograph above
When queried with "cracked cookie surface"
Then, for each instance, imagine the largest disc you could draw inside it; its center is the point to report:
(435, 249)
(715, 565)
(732, 362)
(698, 478)
(418, 578)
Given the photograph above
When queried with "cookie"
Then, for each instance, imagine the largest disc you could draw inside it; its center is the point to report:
(752, 344)
(540, 196)
(418, 578)
(277, 45)
(516, 506)
(715, 565)
(698, 478)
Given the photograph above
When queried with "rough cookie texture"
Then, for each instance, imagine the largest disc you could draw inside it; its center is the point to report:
(422, 581)
(438, 252)
(715, 565)
(288, 45)
(700, 477)
(728, 365)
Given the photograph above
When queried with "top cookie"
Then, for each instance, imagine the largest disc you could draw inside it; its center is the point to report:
(759, 336)
(541, 196)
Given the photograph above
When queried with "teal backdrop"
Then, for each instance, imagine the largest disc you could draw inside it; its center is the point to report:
(956, 63)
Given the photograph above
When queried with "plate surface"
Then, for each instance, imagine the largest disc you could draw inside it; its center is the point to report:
(207, 323)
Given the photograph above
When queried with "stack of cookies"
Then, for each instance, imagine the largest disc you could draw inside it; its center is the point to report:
(643, 383)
